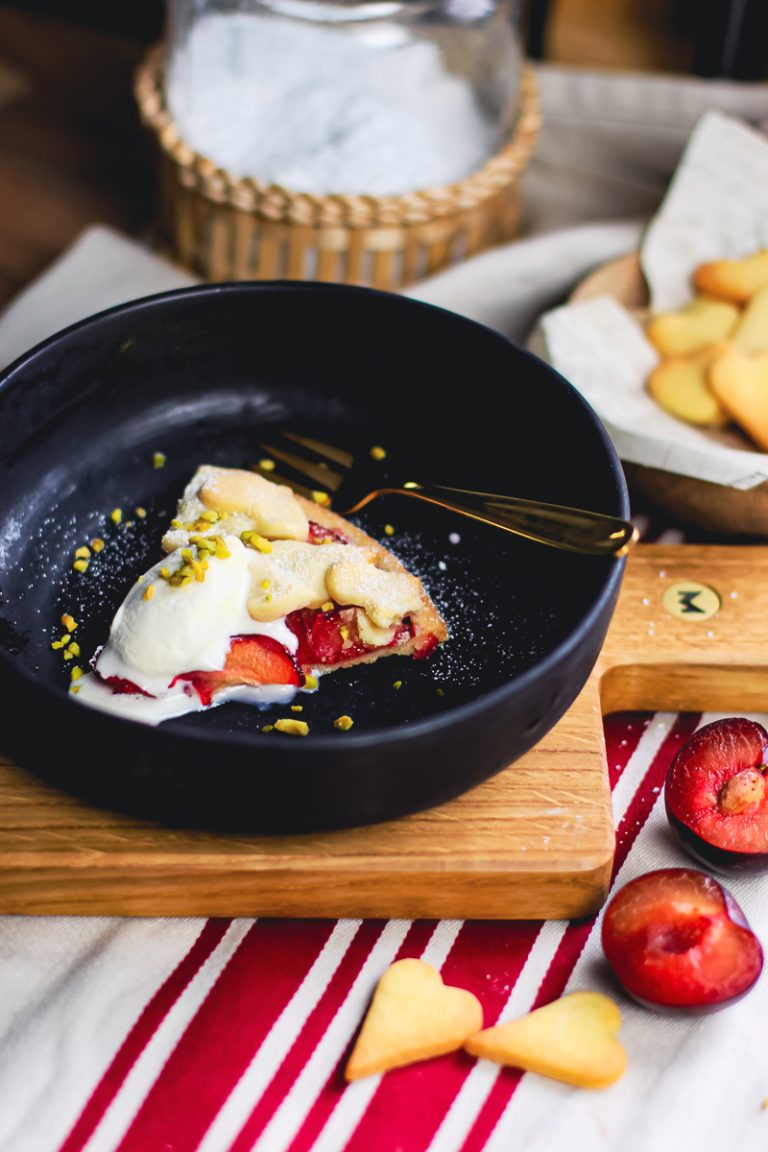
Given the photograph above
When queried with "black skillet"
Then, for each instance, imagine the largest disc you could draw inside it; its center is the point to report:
(203, 375)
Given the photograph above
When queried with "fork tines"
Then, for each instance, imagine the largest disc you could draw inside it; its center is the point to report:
(314, 467)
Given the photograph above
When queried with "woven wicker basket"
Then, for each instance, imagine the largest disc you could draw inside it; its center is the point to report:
(226, 227)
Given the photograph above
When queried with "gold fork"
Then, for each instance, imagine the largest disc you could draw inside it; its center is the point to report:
(331, 470)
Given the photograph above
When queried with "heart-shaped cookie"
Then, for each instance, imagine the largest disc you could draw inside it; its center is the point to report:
(413, 1015)
(572, 1039)
(693, 327)
(679, 385)
(736, 280)
(751, 332)
(740, 383)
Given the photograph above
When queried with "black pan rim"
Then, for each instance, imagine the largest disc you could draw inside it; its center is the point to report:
(415, 729)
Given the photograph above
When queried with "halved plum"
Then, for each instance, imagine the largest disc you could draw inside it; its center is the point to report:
(253, 660)
(716, 795)
(677, 940)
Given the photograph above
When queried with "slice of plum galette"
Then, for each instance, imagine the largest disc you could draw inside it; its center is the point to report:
(260, 591)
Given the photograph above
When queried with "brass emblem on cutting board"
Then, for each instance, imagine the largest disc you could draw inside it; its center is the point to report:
(690, 600)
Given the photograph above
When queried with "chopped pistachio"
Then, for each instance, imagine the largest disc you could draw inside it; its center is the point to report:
(80, 565)
(204, 543)
(254, 540)
(292, 727)
(327, 606)
(389, 530)
(267, 465)
(158, 459)
(97, 544)
(82, 553)
(267, 727)
(116, 515)
(149, 592)
(74, 648)
(310, 682)
(397, 685)
(297, 707)
(343, 723)
(321, 498)
(69, 622)
(378, 453)
(140, 512)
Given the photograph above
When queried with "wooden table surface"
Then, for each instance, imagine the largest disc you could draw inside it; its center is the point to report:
(71, 147)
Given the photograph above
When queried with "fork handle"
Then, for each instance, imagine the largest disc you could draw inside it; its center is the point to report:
(572, 529)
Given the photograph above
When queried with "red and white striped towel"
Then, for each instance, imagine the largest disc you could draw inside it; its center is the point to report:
(227, 1036)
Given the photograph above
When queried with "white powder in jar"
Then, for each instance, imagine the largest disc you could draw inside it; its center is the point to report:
(322, 110)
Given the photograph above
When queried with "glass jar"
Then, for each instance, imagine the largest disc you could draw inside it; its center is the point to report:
(369, 97)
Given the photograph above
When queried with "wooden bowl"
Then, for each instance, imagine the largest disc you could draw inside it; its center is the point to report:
(714, 507)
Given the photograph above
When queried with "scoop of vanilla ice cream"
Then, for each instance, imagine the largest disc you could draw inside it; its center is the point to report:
(178, 629)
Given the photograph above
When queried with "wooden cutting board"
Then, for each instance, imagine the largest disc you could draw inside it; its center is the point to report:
(690, 633)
